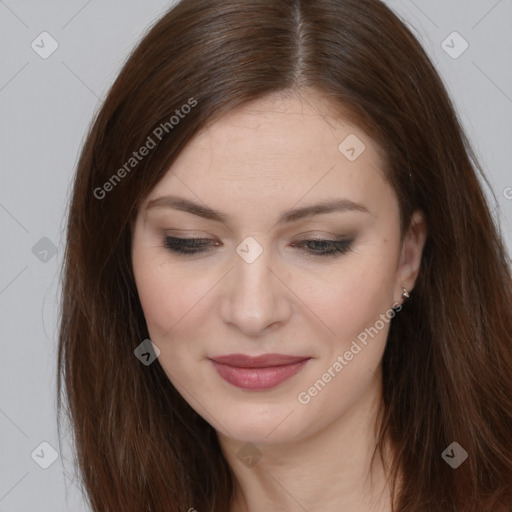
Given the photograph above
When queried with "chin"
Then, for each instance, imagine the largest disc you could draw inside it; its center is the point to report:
(261, 423)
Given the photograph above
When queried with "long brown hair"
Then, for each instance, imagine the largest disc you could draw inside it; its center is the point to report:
(447, 367)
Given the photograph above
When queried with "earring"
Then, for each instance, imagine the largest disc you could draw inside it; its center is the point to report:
(405, 292)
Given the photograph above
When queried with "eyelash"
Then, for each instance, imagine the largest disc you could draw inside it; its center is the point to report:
(191, 246)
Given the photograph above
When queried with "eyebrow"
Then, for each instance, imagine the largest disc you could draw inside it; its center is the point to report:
(186, 205)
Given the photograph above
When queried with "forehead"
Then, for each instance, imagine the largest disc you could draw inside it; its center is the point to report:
(277, 151)
(281, 128)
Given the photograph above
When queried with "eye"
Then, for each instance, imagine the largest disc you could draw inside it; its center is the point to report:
(321, 247)
(315, 247)
(187, 245)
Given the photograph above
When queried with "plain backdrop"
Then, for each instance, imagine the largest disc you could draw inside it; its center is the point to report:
(46, 105)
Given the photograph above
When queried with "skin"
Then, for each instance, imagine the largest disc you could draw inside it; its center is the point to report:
(266, 157)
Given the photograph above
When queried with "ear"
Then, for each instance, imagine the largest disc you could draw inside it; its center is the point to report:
(411, 252)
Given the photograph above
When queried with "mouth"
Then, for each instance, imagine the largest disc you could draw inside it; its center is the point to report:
(258, 373)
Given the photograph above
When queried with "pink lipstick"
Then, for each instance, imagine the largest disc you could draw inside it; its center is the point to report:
(258, 373)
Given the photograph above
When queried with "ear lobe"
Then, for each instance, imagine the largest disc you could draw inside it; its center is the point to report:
(412, 250)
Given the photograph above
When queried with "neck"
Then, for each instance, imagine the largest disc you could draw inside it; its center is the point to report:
(328, 470)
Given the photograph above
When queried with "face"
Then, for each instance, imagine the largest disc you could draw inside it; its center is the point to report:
(252, 270)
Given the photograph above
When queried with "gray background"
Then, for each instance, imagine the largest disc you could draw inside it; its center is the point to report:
(45, 108)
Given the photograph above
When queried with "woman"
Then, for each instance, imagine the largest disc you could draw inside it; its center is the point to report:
(283, 288)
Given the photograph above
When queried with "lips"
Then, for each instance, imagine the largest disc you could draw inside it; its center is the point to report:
(258, 373)
(263, 361)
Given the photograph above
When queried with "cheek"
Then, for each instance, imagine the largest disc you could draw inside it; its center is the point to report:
(356, 294)
(166, 295)
(357, 310)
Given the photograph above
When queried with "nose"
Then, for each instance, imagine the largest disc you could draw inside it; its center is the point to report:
(255, 297)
